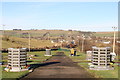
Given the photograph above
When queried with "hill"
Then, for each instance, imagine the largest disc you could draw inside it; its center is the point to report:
(8, 42)
(42, 38)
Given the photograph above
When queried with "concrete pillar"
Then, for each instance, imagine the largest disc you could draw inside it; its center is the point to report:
(48, 52)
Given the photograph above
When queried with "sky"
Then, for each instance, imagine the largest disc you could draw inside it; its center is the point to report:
(83, 16)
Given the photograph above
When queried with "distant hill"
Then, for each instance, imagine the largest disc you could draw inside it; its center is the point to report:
(8, 42)
(39, 33)
(20, 39)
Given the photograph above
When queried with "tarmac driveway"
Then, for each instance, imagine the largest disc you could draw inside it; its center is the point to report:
(58, 66)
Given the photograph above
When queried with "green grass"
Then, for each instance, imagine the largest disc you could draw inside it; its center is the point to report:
(80, 56)
(98, 74)
(13, 74)
(35, 60)
(101, 73)
(0, 72)
(16, 39)
(40, 57)
(107, 34)
(38, 33)
(23, 42)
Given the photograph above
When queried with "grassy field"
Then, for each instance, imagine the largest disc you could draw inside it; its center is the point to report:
(13, 75)
(0, 72)
(81, 59)
(23, 42)
(39, 33)
(40, 58)
(107, 34)
(16, 40)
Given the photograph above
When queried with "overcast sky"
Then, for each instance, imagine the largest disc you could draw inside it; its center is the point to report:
(86, 16)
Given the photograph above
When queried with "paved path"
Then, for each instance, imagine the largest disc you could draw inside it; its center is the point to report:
(58, 66)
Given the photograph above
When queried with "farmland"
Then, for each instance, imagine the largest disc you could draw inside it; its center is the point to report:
(49, 38)
(107, 34)
(23, 42)
(42, 38)
(39, 38)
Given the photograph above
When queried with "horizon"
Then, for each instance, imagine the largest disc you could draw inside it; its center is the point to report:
(55, 29)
